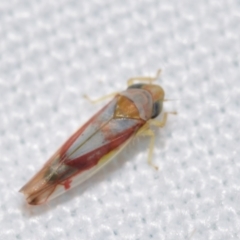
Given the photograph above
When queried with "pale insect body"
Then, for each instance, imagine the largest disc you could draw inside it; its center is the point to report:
(93, 145)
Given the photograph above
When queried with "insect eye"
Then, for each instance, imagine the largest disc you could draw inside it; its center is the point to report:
(137, 85)
(157, 108)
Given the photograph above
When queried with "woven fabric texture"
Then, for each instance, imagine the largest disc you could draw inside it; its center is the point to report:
(54, 52)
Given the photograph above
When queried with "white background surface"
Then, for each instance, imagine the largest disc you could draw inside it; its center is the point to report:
(53, 52)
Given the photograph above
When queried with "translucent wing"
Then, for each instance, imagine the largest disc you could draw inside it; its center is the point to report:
(86, 151)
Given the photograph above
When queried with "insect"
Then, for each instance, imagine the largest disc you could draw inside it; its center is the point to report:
(129, 114)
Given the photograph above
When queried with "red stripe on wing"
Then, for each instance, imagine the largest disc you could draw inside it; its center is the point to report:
(73, 138)
(90, 159)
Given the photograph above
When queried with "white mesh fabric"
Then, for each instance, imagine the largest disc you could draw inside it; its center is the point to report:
(54, 52)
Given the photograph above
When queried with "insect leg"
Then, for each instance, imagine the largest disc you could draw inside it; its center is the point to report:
(162, 122)
(150, 133)
(101, 98)
(144, 79)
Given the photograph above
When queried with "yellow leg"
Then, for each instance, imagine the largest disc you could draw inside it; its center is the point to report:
(101, 98)
(162, 122)
(144, 79)
(129, 83)
(146, 131)
(150, 133)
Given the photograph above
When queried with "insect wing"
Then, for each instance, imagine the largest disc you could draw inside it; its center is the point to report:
(86, 151)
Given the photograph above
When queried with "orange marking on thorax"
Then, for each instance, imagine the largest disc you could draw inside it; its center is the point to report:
(125, 108)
